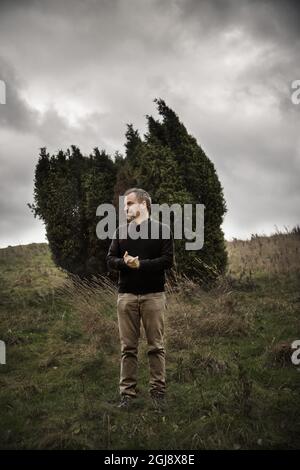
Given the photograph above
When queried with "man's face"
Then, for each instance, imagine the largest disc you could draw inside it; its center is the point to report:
(132, 207)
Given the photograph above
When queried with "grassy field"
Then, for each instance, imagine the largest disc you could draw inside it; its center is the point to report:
(231, 382)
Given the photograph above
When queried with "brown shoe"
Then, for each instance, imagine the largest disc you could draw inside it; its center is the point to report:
(125, 402)
(158, 401)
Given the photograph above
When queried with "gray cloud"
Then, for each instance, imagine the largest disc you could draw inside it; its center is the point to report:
(77, 72)
(16, 113)
(268, 19)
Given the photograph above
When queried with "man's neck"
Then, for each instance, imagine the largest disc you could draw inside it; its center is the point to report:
(139, 220)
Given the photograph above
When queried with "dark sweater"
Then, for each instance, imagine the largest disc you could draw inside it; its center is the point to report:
(155, 255)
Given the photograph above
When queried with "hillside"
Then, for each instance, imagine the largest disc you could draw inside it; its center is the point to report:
(231, 382)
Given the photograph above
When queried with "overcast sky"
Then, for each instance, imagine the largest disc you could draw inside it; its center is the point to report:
(76, 72)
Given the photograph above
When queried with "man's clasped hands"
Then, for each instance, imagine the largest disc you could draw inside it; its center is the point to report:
(131, 261)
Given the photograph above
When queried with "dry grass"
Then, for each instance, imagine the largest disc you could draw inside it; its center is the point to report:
(94, 303)
(191, 367)
(266, 255)
(279, 354)
(60, 385)
(193, 313)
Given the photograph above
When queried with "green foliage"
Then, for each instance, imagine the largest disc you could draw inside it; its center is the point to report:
(168, 163)
(173, 168)
(68, 189)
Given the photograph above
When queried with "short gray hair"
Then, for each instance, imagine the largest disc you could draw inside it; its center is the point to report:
(141, 196)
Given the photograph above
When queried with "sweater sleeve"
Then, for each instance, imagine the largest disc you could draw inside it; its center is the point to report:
(165, 261)
(113, 260)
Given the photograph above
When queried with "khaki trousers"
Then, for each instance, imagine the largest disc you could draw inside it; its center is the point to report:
(149, 308)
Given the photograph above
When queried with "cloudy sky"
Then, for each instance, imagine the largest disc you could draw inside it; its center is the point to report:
(76, 72)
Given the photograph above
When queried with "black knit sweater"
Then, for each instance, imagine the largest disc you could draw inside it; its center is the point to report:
(155, 255)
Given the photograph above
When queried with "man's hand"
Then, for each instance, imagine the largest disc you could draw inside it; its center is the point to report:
(131, 261)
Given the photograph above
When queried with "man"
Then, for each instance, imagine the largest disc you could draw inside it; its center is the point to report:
(141, 263)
